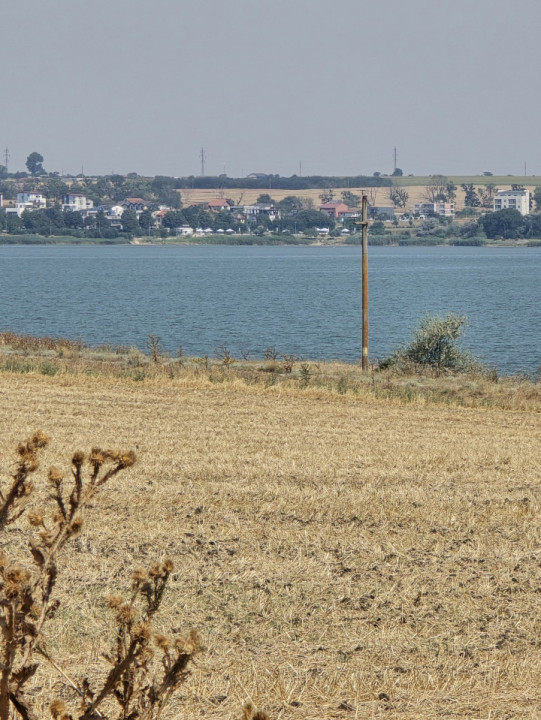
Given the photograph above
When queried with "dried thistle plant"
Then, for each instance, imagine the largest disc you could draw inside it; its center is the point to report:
(153, 344)
(27, 598)
(288, 361)
(142, 677)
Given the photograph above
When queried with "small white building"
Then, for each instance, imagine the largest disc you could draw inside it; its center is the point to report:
(76, 202)
(29, 201)
(184, 230)
(513, 200)
(447, 209)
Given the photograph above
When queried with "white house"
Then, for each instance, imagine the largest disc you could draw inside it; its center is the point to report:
(513, 200)
(76, 202)
(252, 211)
(29, 201)
(436, 208)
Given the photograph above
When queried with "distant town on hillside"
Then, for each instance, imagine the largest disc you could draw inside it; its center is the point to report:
(401, 210)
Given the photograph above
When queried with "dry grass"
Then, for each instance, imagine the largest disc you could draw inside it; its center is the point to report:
(342, 555)
(277, 374)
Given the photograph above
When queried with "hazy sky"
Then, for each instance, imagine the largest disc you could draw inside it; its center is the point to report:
(263, 85)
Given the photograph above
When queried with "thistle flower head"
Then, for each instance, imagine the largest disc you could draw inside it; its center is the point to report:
(39, 440)
(114, 601)
(54, 476)
(156, 571)
(57, 707)
(162, 642)
(141, 632)
(78, 458)
(76, 525)
(97, 457)
(125, 615)
(126, 459)
(35, 518)
(138, 577)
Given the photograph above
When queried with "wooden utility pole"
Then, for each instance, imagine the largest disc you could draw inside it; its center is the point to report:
(364, 257)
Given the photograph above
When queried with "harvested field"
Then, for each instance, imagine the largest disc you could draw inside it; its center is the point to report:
(342, 557)
(377, 195)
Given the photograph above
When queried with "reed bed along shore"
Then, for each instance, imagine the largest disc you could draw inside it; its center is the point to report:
(343, 553)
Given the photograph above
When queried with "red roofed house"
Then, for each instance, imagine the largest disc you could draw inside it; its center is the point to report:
(217, 205)
(333, 209)
(137, 204)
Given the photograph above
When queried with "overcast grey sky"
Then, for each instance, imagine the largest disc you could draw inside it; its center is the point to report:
(142, 85)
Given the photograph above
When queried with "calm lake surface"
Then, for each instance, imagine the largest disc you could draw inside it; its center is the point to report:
(303, 300)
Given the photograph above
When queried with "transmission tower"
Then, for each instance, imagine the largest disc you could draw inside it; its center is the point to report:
(395, 157)
(6, 158)
(203, 157)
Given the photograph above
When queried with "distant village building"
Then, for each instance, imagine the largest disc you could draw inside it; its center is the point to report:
(382, 212)
(513, 200)
(257, 176)
(217, 205)
(447, 209)
(29, 201)
(134, 203)
(333, 209)
(252, 211)
(76, 202)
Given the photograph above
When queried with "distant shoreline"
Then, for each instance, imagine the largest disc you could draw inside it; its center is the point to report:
(6, 240)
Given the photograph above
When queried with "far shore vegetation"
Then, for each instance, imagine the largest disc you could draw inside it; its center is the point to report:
(165, 209)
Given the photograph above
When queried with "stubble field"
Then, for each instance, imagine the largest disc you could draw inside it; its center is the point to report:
(340, 557)
(415, 187)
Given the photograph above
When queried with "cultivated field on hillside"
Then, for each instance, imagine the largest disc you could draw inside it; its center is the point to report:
(342, 557)
(376, 196)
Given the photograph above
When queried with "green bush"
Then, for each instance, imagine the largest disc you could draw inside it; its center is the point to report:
(434, 345)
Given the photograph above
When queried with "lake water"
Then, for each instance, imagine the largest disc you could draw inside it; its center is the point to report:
(302, 300)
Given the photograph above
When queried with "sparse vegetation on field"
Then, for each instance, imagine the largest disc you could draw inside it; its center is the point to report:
(400, 379)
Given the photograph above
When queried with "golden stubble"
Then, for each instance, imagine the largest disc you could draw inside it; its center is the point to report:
(339, 558)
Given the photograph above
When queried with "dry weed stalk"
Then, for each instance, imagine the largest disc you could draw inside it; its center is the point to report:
(27, 601)
(153, 345)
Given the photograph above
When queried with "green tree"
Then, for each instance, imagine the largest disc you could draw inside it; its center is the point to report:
(146, 221)
(73, 219)
(399, 196)
(532, 226)
(34, 164)
(436, 189)
(397, 172)
(130, 223)
(290, 204)
(3, 172)
(173, 219)
(377, 228)
(508, 224)
(487, 194)
(54, 189)
(471, 199)
(450, 192)
(327, 196)
(537, 198)
(265, 199)
(351, 200)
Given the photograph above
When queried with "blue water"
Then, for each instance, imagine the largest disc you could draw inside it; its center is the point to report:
(303, 300)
